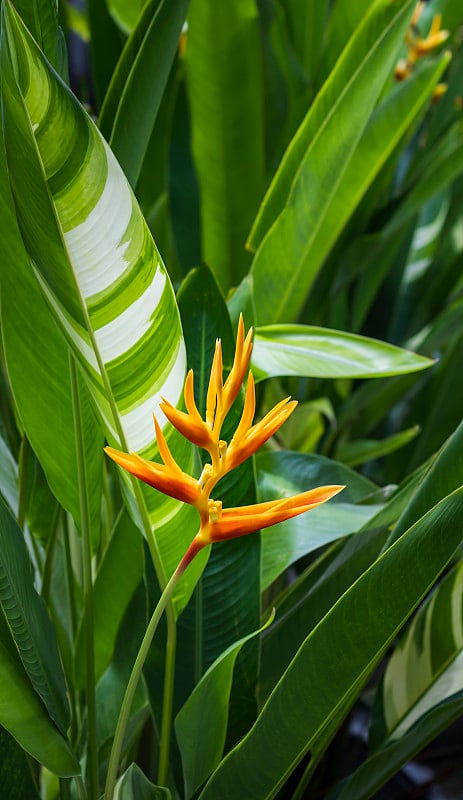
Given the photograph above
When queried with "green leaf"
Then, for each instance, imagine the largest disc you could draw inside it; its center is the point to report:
(23, 714)
(344, 83)
(201, 746)
(344, 20)
(314, 192)
(309, 598)
(425, 668)
(41, 18)
(319, 686)
(307, 351)
(15, 775)
(119, 574)
(27, 618)
(126, 13)
(100, 272)
(381, 766)
(134, 785)
(282, 474)
(134, 95)
(39, 375)
(8, 477)
(106, 44)
(224, 80)
(362, 450)
(443, 476)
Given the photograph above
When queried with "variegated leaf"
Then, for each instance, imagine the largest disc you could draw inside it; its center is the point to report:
(98, 267)
(426, 667)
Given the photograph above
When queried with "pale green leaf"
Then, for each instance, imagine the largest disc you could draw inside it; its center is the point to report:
(425, 669)
(307, 351)
(134, 785)
(8, 476)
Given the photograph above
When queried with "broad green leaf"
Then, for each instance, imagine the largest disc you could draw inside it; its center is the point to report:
(344, 20)
(282, 474)
(27, 618)
(388, 124)
(24, 716)
(361, 450)
(112, 684)
(119, 574)
(383, 764)
(224, 80)
(106, 44)
(8, 476)
(100, 272)
(41, 18)
(201, 746)
(333, 663)
(134, 785)
(207, 627)
(126, 13)
(39, 375)
(134, 95)
(307, 24)
(15, 774)
(425, 668)
(444, 475)
(304, 215)
(309, 598)
(307, 351)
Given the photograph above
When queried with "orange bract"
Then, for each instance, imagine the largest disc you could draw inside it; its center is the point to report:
(217, 524)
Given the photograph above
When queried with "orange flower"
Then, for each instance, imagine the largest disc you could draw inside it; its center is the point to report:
(217, 524)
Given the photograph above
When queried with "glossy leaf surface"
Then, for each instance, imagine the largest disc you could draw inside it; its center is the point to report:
(27, 618)
(224, 77)
(132, 101)
(96, 264)
(201, 746)
(334, 662)
(283, 474)
(307, 351)
(306, 207)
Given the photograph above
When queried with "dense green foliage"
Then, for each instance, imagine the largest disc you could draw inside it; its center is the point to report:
(211, 159)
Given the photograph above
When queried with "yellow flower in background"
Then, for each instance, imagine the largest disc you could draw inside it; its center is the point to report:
(217, 524)
(417, 46)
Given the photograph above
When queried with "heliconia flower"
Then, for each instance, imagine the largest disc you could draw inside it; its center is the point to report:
(217, 524)
(417, 46)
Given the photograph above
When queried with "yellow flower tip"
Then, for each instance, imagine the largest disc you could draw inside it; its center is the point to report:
(417, 12)
(424, 46)
(438, 92)
(234, 522)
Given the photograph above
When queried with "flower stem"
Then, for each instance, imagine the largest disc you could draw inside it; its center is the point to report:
(92, 749)
(135, 676)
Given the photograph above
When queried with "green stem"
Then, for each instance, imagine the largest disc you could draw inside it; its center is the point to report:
(135, 675)
(167, 695)
(92, 751)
